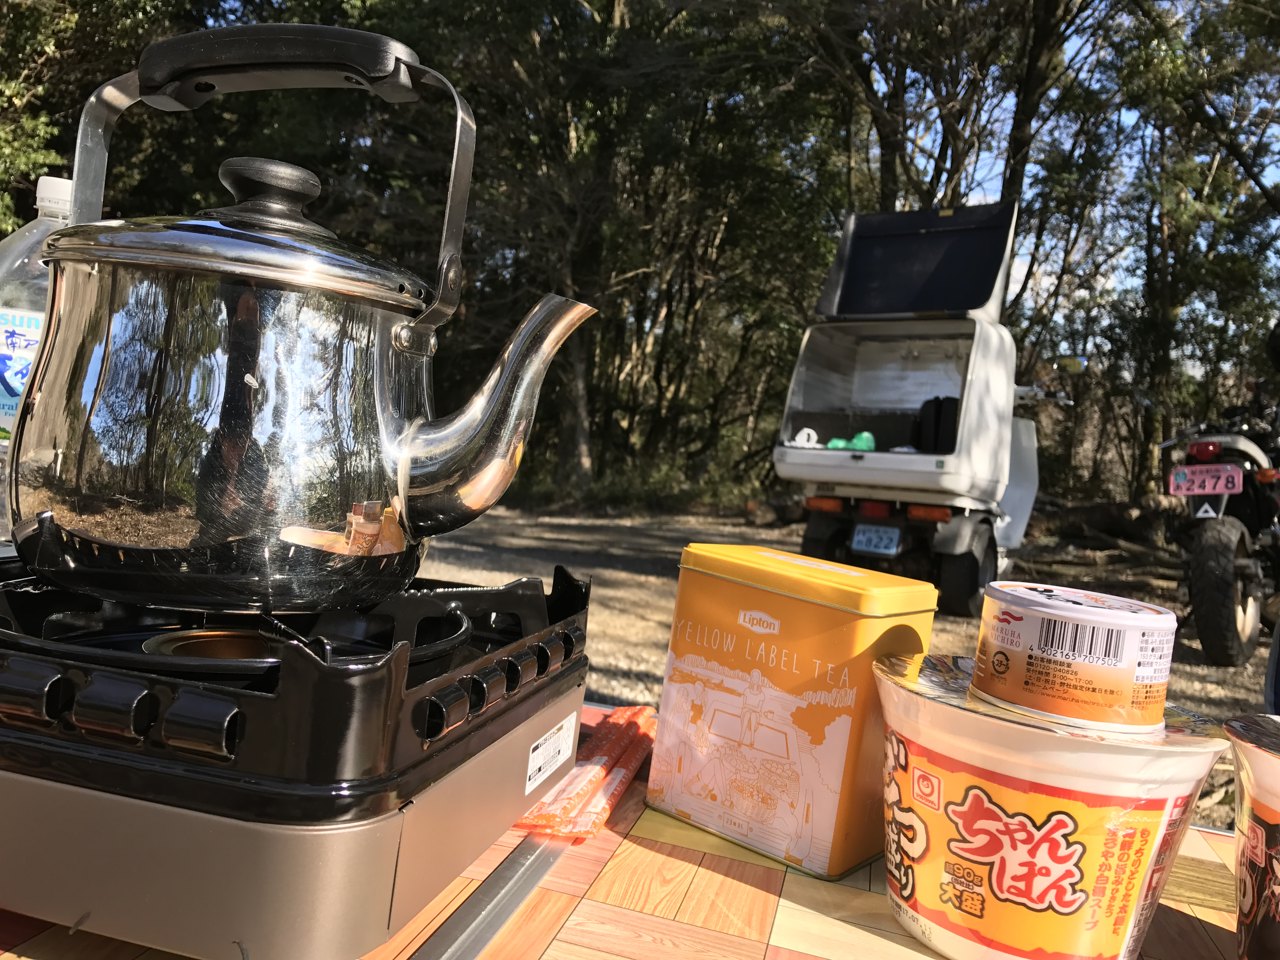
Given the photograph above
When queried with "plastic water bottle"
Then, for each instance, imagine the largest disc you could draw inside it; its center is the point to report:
(24, 289)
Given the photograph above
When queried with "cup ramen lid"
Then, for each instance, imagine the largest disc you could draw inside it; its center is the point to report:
(945, 681)
(1072, 604)
(1258, 730)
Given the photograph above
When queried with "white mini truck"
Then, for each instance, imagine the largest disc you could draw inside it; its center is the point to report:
(899, 422)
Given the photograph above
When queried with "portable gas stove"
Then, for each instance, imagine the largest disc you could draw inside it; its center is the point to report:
(273, 787)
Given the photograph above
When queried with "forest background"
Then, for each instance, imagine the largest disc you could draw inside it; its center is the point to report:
(686, 169)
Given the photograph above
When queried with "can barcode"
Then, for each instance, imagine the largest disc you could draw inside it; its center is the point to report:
(1075, 656)
(1076, 640)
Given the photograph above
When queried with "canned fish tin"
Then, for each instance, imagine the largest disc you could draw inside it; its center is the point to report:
(1075, 656)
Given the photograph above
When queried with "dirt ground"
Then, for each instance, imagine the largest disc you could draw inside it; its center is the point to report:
(632, 562)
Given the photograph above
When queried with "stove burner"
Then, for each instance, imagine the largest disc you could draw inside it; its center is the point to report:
(215, 644)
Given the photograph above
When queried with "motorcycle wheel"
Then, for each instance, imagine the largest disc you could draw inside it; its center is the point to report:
(962, 580)
(1228, 614)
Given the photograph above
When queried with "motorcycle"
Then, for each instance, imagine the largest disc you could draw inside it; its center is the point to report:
(1233, 540)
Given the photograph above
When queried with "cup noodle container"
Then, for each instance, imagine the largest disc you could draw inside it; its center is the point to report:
(1007, 836)
(1256, 743)
(1074, 656)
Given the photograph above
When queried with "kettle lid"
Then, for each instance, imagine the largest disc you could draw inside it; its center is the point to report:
(264, 235)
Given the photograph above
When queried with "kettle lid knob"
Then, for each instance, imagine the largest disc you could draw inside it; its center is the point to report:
(270, 192)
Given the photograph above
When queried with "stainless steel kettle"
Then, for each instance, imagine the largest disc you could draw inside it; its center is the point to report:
(232, 411)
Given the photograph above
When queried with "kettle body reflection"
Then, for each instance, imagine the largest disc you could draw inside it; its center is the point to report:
(232, 498)
(197, 439)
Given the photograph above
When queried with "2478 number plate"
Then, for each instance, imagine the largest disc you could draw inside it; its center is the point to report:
(868, 538)
(1201, 479)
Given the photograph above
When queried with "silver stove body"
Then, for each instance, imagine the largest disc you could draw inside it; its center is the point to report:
(217, 888)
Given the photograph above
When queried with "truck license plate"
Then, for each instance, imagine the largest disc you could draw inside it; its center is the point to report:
(872, 539)
(1199, 479)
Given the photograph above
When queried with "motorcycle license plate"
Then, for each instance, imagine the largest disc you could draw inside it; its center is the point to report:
(1200, 479)
(868, 538)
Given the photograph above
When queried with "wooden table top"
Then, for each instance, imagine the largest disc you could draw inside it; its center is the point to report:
(652, 886)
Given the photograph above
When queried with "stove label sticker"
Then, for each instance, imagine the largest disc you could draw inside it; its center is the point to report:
(549, 751)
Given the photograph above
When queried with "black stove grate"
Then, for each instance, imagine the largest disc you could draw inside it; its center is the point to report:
(293, 717)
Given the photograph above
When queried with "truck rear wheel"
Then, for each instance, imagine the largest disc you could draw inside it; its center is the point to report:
(824, 537)
(1227, 610)
(962, 579)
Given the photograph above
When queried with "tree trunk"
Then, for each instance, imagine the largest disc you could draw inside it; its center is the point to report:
(1043, 44)
(577, 467)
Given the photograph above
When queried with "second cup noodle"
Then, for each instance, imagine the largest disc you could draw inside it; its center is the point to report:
(1256, 744)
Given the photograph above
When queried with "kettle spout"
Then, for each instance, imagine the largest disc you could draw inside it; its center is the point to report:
(453, 469)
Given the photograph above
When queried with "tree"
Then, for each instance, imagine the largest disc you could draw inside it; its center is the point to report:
(33, 36)
(686, 171)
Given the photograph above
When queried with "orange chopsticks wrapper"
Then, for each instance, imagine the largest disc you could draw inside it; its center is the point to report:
(605, 767)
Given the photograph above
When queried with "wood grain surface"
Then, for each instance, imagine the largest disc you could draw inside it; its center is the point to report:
(649, 886)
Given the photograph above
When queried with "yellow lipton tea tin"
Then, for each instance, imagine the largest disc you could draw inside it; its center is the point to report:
(769, 728)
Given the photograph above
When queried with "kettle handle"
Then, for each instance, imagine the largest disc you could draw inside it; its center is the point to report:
(183, 72)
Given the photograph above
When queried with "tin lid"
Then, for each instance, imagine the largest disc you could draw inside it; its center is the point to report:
(945, 680)
(1073, 604)
(866, 592)
(1260, 730)
(263, 235)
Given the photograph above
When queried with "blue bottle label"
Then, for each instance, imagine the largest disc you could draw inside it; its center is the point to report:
(19, 337)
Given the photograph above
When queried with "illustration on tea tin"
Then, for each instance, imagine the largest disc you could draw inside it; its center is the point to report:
(744, 758)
